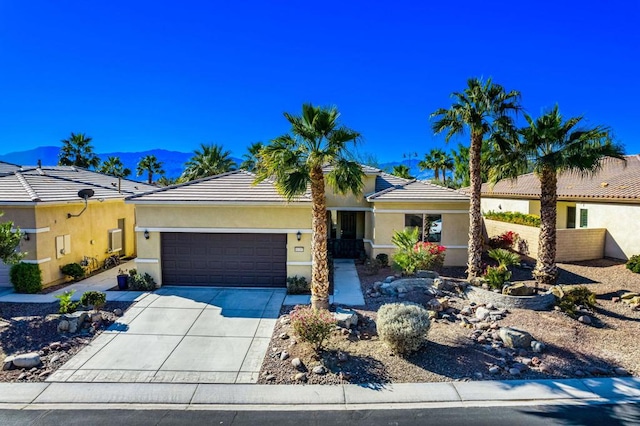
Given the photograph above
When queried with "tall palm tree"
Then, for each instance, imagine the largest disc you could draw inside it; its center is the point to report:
(402, 171)
(165, 181)
(150, 165)
(77, 151)
(431, 162)
(550, 146)
(114, 167)
(209, 160)
(445, 162)
(478, 108)
(251, 158)
(295, 161)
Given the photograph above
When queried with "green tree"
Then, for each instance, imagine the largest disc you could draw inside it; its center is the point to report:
(251, 158)
(402, 171)
(295, 161)
(114, 167)
(209, 160)
(165, 181)
(549, 146)
(78, 151)
(431, 162)
(479, 108)
(150, 165)
(10, 238)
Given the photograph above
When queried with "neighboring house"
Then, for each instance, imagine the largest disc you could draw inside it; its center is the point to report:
(609, 200)
(39, 200)
(223, 230)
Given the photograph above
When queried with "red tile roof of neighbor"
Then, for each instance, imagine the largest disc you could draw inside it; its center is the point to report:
(615, 181)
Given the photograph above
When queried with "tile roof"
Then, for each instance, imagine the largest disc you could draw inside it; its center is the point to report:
(6, 168)
(386, 181)
(417, 191)
(613, 182)
(61, 183)
(231, 187)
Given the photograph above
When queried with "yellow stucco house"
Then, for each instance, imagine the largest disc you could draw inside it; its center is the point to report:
(223, 230)
(597, 215)
(57, 229)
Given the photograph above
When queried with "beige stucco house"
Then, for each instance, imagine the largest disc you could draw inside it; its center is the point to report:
(223, 230)
(608, 201)
(44, 203)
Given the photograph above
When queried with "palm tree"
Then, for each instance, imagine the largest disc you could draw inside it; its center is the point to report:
(77, 151)
(251, 158)
(209, 160)
(550, 146)
(295, 162)
(402, 171)
(445, 162)
(165, 181)
(114, 167)
(149, 164)
(431, 162)
(479, 107)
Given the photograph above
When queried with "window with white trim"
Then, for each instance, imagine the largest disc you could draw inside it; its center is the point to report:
(429, 225)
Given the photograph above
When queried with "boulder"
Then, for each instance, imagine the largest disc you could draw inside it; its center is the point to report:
(434, 305)
(63, 326)
(518, 289)
(537, 347)
(482, 313)
(585, 319)
(8, 363)
(389, 279)
(319, 370)
(28, 360)
(427, 274)
(514, 338)
(346, 318)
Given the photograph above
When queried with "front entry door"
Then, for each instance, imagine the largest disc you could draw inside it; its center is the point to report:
(348, 225)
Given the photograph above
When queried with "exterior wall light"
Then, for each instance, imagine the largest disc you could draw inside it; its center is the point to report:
(299, 235)
(146, 234)
(25, 237)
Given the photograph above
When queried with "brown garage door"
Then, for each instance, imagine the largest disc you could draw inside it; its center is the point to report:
(238, 260)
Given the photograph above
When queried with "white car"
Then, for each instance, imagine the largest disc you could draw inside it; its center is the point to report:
(436, 227)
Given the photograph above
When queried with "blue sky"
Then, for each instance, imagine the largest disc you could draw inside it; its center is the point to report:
(137, 75)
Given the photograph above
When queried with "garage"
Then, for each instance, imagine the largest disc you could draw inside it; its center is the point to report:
(234, 260)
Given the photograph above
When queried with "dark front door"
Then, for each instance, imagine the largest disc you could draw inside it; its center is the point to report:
(234, 260)
(348, 225)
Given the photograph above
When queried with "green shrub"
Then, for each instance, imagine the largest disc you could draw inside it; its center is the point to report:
(383, 259)
(26, 277)
(496, 276)
(422, 256)
(403, 326)
(298, 285)
(569, 300)
(312, 325)
(66, 305)
(97, 299)
(73, 270)
(514, 217)
(633, 264)
(141, 282)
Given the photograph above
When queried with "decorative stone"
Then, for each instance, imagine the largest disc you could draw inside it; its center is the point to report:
(585, 319)
(300, 377)
(434, 305)
(514, 371)
(466, 311)
(494, 370)
(344, 375)
(73, 326)
(615, 299)
(54, 359)
(427, 274)
(514, 338)
(7, 364)
(23, 376)
(377, 285)
(346, 318)
(490, 306)
(401, 289)
(544, 368)
(270, 378)
(482, 313)
(117, 312)
(519, 289)
(526, 361)
(63, 326)
(537, 347)
(535, 361)
(389, 279)
(579, 373)
(28, 360)
(319, 370)
(620, 371)
(285, 320)
(482, 326)
(284, 336)
(284, 355)
(629, 295)
(297, 363)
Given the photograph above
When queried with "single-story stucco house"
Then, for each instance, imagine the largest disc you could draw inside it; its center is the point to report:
(43, 202)
(608, 200)
(223, 230)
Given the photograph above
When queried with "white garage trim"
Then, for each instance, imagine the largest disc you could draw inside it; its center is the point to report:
(226, 230)
(46, 259)
(143, 260)
(299, 263)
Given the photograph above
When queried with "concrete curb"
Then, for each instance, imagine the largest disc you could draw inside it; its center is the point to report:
(314, 397)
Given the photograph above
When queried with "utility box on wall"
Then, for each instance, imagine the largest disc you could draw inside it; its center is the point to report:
(115, 240)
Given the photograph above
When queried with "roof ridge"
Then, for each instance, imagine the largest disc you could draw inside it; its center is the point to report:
(83, 182)
(188, 183)
(30, 191)
(426, 182)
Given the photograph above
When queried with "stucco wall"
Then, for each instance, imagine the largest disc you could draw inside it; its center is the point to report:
(504, 205)
(572, 245)
(246, 219)
(622, 222)
(350, 200)
(88, 233)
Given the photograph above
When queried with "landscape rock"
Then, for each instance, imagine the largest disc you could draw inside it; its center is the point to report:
(270, 378)
(482, 313)
(620, 371)
(494, 370)
(346, 318)
(434, 305)
(7, 364)
(519, 289)
(284, 355)
(73, 326)
(585, 319)
(427, 274)
(629, 295)
(514, 371)
(28, 360)
(544, 368)
(319, 370)
(284, 336)
(117, 312)
(514, 338)
(300, 377)
(344, 375)
(63, 326)
(297, 363)
(615, 299)
(537, 347)
(389, 279)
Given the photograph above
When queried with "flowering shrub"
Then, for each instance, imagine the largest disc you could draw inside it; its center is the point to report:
(422, 256)
(504, 241)
(312, 325)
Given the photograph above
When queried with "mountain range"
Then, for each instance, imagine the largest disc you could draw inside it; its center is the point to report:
(172, 161)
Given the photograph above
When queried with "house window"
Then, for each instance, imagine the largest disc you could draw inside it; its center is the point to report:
(583, 218)
(429, 226)
(571, 217)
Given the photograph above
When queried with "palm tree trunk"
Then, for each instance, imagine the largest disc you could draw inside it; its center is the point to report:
(150, 175)
(474, 264)
(320, 267)
(546, 270)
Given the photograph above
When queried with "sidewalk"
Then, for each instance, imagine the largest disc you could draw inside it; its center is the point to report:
(99, 282)
(313, 397)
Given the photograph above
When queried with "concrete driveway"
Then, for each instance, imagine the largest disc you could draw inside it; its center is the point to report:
(182, 335)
